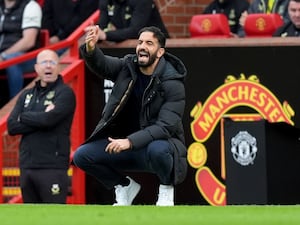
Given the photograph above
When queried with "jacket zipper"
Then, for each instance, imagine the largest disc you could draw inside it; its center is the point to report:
(122, 99)
(143, 100)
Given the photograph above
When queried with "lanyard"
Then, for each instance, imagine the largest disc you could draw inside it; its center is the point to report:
(270, 6)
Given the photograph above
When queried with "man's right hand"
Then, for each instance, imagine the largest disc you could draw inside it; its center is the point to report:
(92, 36)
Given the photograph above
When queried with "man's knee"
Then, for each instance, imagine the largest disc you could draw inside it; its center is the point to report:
(78, 158)
(159, 150)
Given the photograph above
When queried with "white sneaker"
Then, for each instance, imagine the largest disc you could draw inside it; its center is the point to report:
(126, 194)
(165, 195)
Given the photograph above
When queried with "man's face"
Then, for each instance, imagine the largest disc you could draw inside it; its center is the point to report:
(147, 50)
(294, 13)
(47, 67)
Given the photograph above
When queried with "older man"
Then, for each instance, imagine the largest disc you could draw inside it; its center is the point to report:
(43, 116)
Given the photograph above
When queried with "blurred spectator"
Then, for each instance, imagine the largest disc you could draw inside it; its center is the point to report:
(62, 17)
(43, 116)
(264, 6)
(231, 8)
(19, 28)
(122, 19)
(292, 27)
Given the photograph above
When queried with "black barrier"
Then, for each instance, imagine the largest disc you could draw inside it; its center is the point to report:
(271, 72)
(262, 162)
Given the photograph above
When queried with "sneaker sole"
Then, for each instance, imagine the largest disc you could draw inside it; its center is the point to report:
(165, 204)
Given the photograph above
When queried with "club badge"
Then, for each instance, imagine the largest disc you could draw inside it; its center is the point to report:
(243, 148)
(55, 189)
(27, 100)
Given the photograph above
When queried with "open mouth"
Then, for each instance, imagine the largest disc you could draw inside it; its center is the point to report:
(48, 74)
(143, 55)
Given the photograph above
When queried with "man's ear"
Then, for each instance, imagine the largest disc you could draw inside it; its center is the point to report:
(160, 52)
(36, 68)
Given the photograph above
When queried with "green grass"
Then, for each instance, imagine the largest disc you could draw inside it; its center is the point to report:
(27, 214)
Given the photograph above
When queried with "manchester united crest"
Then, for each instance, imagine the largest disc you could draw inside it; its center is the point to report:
(243, 148)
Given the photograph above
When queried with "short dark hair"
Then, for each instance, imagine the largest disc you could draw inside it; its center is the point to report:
(156, 33)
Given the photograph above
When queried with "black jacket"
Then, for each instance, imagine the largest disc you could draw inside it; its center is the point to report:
(162, 105)
(287, 30)
(62, 17)
(129, 16)
(45, 139)
(231, 8)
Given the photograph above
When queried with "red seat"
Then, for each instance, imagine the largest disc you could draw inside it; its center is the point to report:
(209, 26)
(262, 24)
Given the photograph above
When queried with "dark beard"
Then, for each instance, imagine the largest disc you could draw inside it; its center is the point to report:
(149, 63)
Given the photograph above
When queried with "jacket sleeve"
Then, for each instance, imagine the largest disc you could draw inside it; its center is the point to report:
(277, 32)
(139, 19)
(104, 66)
(64, 107)
(169, 117)
(282, 29)
(14, 125)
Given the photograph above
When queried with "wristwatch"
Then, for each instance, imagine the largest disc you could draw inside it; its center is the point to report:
(3, 55)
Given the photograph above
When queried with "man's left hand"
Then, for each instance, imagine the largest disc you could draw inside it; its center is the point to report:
(118, 145)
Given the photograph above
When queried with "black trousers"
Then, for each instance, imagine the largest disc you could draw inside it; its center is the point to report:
(44, 185)
(155, 158)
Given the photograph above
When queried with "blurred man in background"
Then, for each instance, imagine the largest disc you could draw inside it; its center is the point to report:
(292, 27)
(122, 19)
(19, 30)
(43, 116)
(231, 8)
